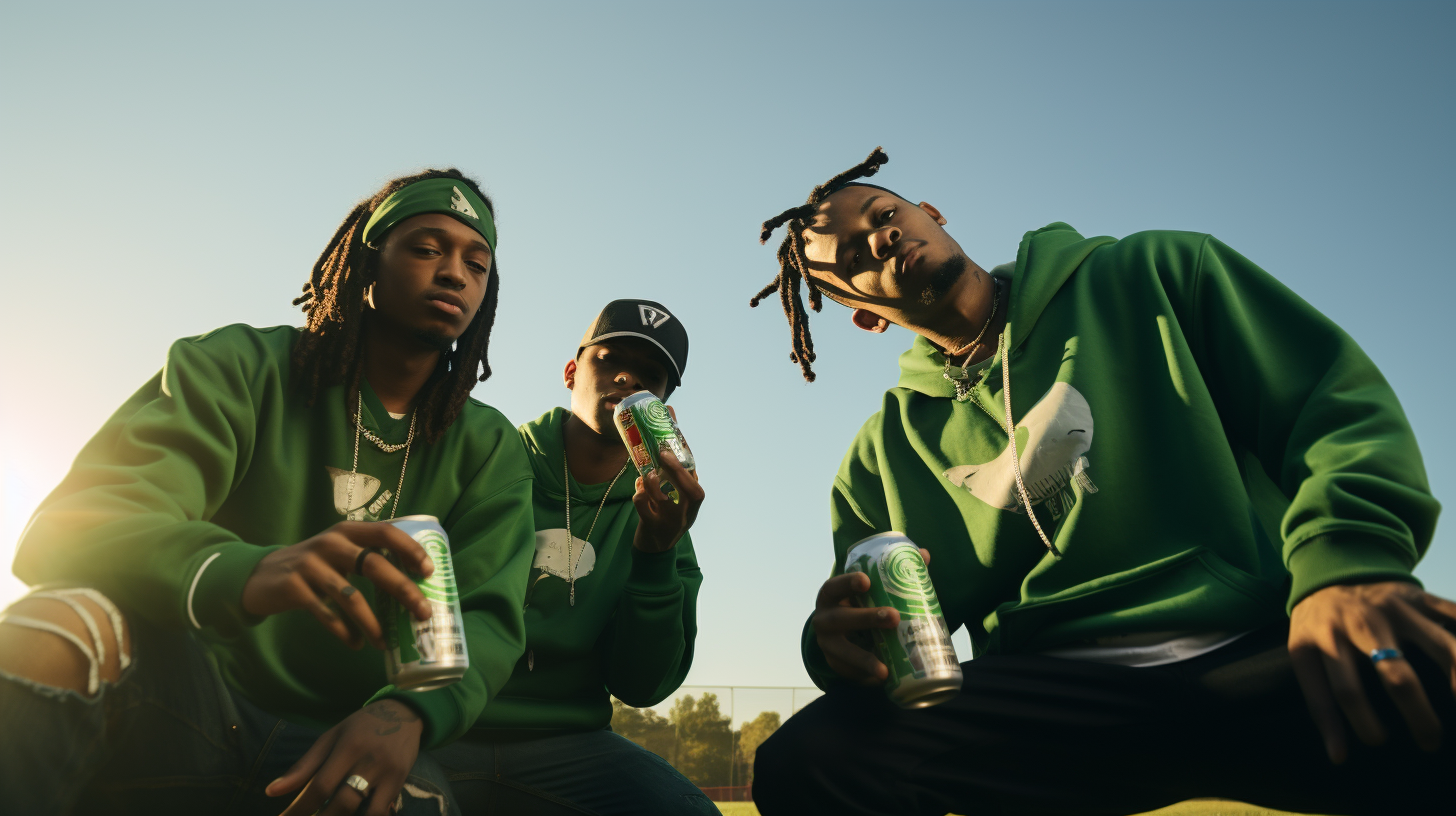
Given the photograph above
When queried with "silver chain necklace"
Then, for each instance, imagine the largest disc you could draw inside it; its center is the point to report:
(354, 474)
(963, 384)
(570, 539)
(1003, 350)
(369, 435)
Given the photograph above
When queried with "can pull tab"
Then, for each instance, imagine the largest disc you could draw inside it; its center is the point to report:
(530, 660)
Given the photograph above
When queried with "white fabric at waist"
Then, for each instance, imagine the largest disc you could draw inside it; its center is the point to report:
(1146, 648)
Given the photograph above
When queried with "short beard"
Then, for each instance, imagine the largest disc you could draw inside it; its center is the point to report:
(436, 341)
(943, 279)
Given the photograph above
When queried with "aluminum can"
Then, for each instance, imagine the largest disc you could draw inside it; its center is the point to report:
(429, 654)
(647, 428)
(924, 670)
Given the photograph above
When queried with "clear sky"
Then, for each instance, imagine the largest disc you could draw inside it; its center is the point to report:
(172, 168)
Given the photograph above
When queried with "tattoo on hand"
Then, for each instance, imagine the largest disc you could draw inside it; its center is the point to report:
(394, 713)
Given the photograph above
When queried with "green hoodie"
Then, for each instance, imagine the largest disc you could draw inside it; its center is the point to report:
(631, 630)
(217, 461)
(1246, 453)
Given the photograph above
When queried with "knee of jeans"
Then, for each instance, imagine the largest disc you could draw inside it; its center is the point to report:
(69, 639)
(779, 757)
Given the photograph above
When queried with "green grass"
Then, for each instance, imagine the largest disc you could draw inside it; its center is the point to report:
(1202, 807)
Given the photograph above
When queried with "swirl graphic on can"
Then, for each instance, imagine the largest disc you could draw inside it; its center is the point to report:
(429, 654)
(440, 586)
(647, 428)
(905, 575)
(922, 663)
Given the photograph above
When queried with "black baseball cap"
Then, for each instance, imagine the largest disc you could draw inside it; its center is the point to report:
(649, 320)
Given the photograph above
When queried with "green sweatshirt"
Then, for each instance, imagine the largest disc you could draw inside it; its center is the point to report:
(1203, 447)
(630, 633)
(217, 461)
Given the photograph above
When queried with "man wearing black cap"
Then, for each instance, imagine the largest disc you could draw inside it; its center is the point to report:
(611, 604)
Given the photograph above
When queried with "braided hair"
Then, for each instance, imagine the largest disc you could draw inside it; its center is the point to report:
(328, 352)
(794, 267)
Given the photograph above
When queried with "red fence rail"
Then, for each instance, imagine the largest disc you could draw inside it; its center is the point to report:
(726, 793)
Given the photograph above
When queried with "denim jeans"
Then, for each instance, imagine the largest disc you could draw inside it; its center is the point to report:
(168, 737)
(588, 772)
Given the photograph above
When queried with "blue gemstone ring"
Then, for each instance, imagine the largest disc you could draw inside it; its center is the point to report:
(1377, 655)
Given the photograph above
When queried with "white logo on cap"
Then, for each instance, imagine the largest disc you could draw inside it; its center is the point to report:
(460, 205)
(652, 317)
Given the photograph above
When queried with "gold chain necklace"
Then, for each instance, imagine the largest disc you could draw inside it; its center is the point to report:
(963, 385)
(353, 474)
(570, 539)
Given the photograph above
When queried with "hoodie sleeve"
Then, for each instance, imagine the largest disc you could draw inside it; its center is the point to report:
(131, 516)
(1296, 390)
(492, 543)
(857, 510)
(650, 642)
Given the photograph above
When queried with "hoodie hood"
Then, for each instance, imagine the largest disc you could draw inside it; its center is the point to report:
(1045, 261)
(544, 440)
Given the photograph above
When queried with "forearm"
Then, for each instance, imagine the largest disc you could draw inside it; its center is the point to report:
(653, 630)
(1299, 393)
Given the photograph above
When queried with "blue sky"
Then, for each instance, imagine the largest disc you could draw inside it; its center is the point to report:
(172, 168)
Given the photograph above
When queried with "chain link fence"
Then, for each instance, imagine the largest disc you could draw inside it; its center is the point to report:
(712, 733)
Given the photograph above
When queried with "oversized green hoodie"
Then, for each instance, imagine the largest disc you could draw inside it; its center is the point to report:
(218, 461)
(630, 633)
(1203, 447)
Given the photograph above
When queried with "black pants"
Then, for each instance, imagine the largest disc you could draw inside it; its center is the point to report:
(1041, 735)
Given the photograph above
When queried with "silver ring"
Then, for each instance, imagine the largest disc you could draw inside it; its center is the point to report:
(357, 782)
(1377, 655)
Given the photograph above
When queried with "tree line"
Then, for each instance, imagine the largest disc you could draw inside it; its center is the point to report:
(698, 738)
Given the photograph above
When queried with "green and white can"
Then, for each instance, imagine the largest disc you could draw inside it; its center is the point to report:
(429, 654)
(647, 429)
(924, 670)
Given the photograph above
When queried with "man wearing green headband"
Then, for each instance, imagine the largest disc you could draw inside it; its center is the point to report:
(205, 641)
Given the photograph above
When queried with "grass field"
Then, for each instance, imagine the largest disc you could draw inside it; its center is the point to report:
(1202, 807)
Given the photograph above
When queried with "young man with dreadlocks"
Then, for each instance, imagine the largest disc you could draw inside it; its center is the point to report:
(611, 612)
(1145, 606)
(216, 550)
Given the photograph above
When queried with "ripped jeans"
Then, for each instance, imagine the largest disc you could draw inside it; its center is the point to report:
(168, 737)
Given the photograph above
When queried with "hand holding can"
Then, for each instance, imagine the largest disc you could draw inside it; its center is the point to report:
(421, 655)
(922, 664)
(648, 429)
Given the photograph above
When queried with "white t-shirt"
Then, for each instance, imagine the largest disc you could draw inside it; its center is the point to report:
(1148, 648)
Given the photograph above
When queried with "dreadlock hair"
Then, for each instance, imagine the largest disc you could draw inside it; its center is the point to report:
(794, 267)
(328, 352)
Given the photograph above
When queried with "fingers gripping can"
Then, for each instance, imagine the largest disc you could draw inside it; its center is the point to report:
(923, 667)
(430, 654)
(647, 429)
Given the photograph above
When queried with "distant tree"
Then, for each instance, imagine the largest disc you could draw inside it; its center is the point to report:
(750, 736)
(645, 727)
(704, 740)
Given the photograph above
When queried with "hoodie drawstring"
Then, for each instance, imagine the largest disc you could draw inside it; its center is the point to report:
(1011, 436)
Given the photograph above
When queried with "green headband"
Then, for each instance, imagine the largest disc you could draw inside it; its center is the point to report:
(437, 195)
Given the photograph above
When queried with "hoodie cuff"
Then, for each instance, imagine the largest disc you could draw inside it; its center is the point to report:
(653, 573)
(1331, 559)
(214, 596)
(438, 709)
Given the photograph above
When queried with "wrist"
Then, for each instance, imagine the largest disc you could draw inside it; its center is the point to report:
(646, 543)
